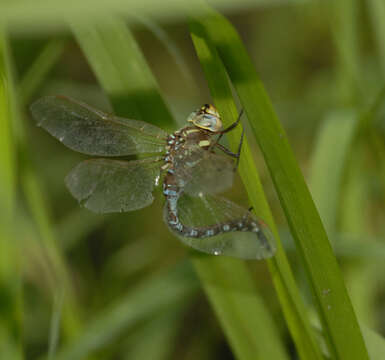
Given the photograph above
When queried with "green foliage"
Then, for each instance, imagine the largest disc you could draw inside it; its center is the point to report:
(233, 305)
(335, 309)
(285, 285)
(10, 272)
(77, 285)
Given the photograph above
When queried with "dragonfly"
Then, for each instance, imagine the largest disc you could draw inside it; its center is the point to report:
(190, 163)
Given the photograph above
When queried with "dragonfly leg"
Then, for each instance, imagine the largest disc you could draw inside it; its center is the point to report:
(233, 125)
(249, 213)
(239, 149)
(226, 150)
(229, 128)
(236, 155)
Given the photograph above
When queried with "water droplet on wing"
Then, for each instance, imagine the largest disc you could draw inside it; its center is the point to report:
(157, 180)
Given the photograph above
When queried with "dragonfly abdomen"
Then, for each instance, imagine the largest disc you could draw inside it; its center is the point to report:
(245, 223)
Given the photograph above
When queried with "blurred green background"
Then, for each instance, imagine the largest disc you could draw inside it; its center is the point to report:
(76, 285)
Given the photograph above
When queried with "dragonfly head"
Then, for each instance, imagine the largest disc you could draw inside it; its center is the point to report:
(207, 117)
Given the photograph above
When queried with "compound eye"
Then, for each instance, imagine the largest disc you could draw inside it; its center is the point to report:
(207, 117)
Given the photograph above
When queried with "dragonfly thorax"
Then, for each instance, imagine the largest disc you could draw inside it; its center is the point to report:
(182, 143)
(207, 117)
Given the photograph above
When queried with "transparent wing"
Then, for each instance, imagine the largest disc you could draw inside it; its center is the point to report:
(206, 211)
(105, 186)
(203, 172)
(93, 132)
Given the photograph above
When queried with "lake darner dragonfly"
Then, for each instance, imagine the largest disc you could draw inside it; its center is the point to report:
(185, 162)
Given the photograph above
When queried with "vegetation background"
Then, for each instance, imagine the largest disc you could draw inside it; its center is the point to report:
(75, 285)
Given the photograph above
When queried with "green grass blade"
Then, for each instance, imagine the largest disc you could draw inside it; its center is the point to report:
(361, 276)
(58, 275)
(10, 261)
(338, 319)
(250, 329)
(170, 45)
(377, 13)
(108, 50)
(151, 297)
(37, 72)
(288, 293)
(340, 138)
(162, 330)
(374, 342)
(333, 144)
(344, 25)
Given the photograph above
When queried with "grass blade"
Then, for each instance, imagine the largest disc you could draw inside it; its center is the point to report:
(162, 330)
(40, 68)
(377, 13)
(341, 138)
(251, 331)
(374, 342)
(10, 261)
(334, 142)
(151, 297)
(291, 302)
(110, 49)
(58, 275)
(337, 316)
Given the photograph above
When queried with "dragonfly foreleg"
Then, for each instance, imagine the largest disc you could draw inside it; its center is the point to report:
(236, 155)
(233, 125)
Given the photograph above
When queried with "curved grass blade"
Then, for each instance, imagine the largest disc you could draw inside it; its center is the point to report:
(44, 62)
(58, 276)
(10, 251)
(122, 70)
(334, 142)
(377, 14)
(151, 297)
(287, 291)
(340, 325)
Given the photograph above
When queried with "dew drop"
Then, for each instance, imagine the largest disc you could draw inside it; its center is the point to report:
(326, 291)
(157, 180)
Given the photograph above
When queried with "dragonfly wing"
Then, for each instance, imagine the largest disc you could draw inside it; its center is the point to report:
(206, 211)
(105, 185)
(93, 132)
(204, 172)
